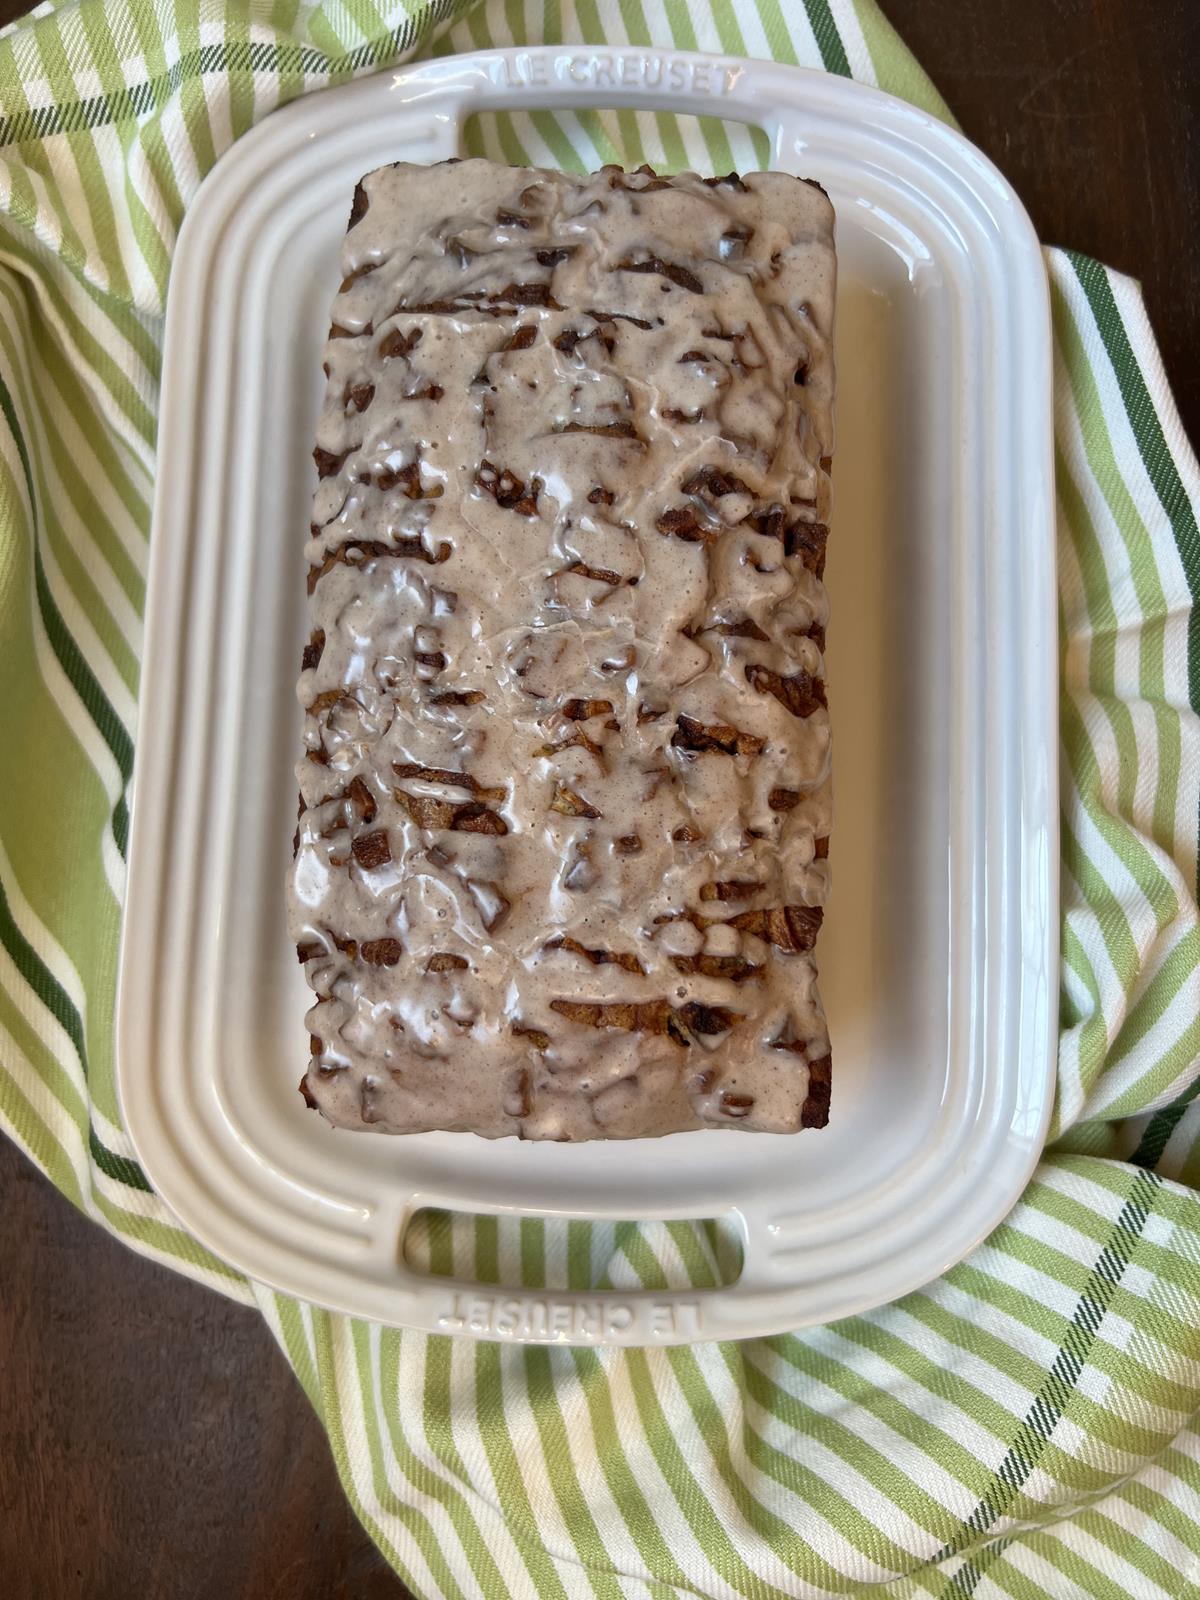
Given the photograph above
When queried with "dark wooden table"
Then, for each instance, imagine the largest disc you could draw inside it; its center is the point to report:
(152, 1441)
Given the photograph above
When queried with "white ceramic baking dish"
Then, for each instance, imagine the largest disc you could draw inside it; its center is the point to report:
(939, 956)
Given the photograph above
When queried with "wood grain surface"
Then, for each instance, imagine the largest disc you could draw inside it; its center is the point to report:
(152, 1439)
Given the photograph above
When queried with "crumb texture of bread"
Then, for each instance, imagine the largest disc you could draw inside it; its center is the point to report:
(562, 849)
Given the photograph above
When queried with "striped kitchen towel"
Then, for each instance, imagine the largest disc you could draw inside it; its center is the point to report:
(1025, 1426)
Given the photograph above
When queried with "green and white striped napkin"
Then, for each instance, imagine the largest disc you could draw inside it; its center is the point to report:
(1025, 1426)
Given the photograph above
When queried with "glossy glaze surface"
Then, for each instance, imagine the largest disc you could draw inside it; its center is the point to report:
(562, 860)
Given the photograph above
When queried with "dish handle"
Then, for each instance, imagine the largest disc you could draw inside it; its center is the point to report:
(451, 89)
(618, 1316)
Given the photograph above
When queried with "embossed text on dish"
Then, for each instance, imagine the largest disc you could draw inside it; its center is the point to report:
(595, 1320)
(599, 70)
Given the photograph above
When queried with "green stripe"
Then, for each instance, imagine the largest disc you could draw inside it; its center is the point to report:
(437, 1411)
(49, 203)
(814, 1485)
(766, 1523)
(638, 33)
(69, 656)
(1162, 1074)
(166, 1239)
(1151, 1503)
(1101, 899)
(502, 1458)
(150, 234)
(122, 1169)
(1011, 1576)
(1147, 432)
(1151, 443)
(106, 379)
(1101, 457)
(60, 1006)
(659, 1427)
(779, 39)
(296, 1346)
(927, 1379)
(410, 1517)
(1092, 1032)
(43, 1142)
(487, 1249)
(104, 60)
(683, 36)
(331, 1411)
(829, 40)
(30, 1040)
(100, 205)
(1161, 1126)
(439, 1405)
(1152, 1566)
(542, 1389)
(240, 89)
(622, 1481)
(648, 1381)
(40, 979)
(72, 486)
(71, 114)
(1102, 655)
(1056, 1390)
(896, 1408)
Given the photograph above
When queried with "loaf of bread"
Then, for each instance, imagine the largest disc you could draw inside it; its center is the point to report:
(564, 794)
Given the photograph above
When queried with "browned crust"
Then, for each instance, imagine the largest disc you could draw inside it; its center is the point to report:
(815, 1111)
